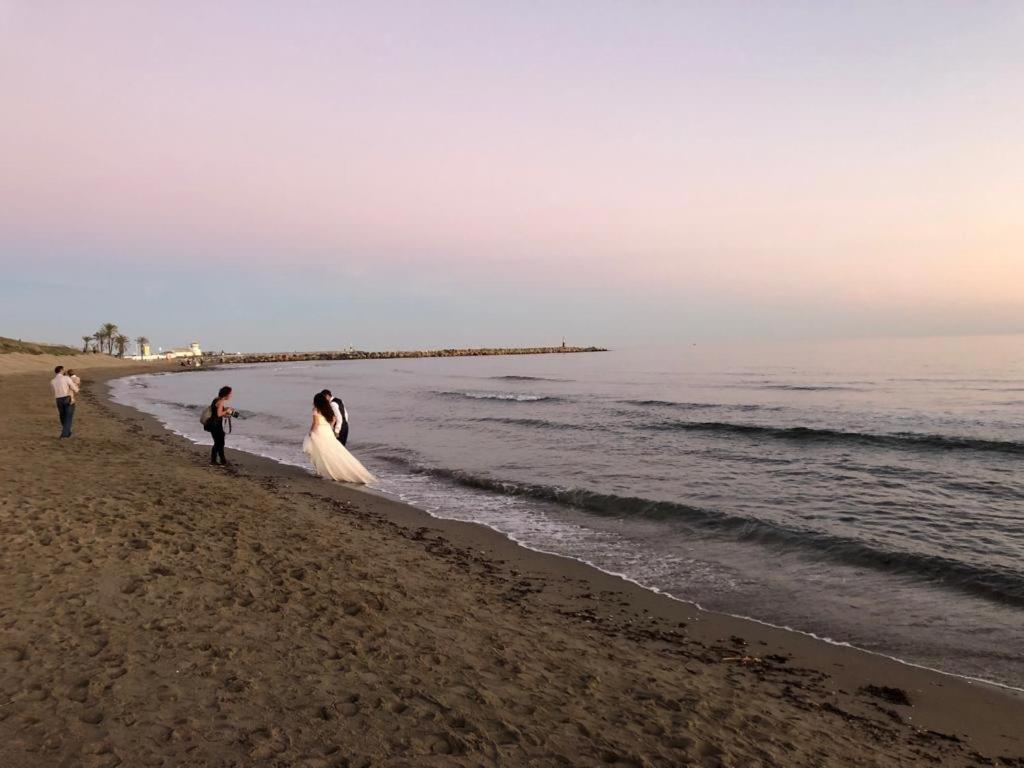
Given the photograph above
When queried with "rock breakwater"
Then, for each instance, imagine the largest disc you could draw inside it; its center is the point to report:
(286, 357)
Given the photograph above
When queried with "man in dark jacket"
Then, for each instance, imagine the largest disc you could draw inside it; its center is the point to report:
(340, 417)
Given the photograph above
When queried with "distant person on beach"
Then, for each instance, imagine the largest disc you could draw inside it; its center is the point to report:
(330, 458)
(340, 416)
(64, 391)
(219, 410)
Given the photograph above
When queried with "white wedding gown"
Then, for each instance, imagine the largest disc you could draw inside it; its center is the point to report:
(330, 458)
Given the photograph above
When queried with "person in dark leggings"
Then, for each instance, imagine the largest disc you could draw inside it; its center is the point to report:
(220, 410)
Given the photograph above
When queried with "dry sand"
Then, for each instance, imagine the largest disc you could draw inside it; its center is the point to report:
(18, 362)
(157, 611)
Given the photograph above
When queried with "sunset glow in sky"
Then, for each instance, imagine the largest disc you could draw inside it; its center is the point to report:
(271, 175)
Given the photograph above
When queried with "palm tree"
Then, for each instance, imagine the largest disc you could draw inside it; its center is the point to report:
(141, 341)
(98, 337)
(121, 341)
(110, 333)
(85, 343)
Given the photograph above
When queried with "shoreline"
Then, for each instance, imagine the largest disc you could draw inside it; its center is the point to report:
(449, 525)
(785, 676)
(690, 604)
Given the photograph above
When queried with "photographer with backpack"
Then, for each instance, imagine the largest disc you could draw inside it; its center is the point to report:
(213, 422)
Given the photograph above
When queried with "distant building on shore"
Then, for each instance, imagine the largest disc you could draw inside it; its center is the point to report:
(193, 350)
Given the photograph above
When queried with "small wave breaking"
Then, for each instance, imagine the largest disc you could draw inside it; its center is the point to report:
(893, 440)
(686, 406)
(527, 422)
(514, 397)
(526, 378)
(997, 584)
(915, 440)
(808, 387)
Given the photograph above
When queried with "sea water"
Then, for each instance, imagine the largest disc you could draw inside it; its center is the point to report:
(869, 492)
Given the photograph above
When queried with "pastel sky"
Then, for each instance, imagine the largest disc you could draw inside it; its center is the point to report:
(298, 175)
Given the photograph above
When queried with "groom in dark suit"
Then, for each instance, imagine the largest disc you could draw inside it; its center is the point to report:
(340, 417)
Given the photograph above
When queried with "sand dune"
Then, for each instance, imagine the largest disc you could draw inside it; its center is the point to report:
(157, 612)
(20, 362)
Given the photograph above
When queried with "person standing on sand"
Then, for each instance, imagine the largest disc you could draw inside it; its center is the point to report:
(340, 416)
(64, 390)
(219, 410)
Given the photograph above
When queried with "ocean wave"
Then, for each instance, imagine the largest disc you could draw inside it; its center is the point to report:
(888, 440)
(526, 422)
(809, 387)
(669, 404)
(998, 584)
(945, 380)
(525, 378)
(241, 414)
(183, 406)
(516, 397)
(685, 406)
(898, 440)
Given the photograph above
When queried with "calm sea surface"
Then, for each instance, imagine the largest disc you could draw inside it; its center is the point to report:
(869, 492)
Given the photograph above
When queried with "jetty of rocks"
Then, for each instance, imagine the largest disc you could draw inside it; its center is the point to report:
(288, 357)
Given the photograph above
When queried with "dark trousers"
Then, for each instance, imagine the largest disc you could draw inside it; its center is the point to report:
(218, 445)
(66, 412)
(343, 434)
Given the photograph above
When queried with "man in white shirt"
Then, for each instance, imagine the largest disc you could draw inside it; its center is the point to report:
(63, 390)
(340, 416)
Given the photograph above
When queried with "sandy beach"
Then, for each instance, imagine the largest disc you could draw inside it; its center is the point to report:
(160, 612)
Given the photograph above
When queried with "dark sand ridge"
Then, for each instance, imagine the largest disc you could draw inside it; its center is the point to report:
(155, 611)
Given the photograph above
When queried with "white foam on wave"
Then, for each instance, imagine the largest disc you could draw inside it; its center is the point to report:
(512, 396)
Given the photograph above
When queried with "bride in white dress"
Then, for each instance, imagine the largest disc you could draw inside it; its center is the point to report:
(330, 458)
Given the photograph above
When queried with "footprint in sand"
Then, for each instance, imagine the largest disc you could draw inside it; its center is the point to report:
(14, 653)
(91, 716)
(78, 690)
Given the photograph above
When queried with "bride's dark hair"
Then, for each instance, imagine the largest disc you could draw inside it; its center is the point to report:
(322, 404)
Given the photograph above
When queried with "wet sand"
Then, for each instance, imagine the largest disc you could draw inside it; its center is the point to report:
(158, 611)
